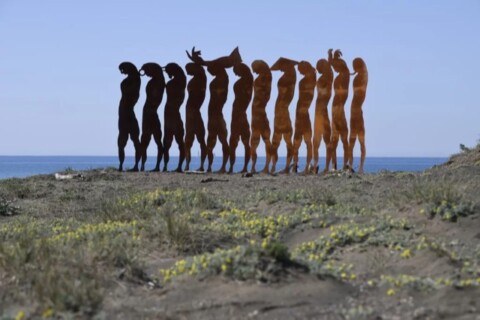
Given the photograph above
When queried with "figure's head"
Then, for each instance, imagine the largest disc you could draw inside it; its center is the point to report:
(359, 65)
(241, 69)
(173, 69)
(128, 68)
(151, 69)
(260, 67)
(194, 69)
(323, 66)
(337, 54)
(284, 64)
(215, 69)
(304, 67)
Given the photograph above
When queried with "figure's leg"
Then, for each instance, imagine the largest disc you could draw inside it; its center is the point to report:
(121, 143)
(297, 140)
(255, 141)
(363, 150)
(346, 154)
(317, 138)
(135, 137)
(211, 142)
(288, 139)
(333, 149)
(222, 136)
(327, 139)
(181, 146)
(246, 144)
(234, 137)
(308, 141)
(277, 137)
(268, 148)
(144, 142)
(328, 146)
(351, 146)
(201, 139)
(189, 137)
(167, 143)
(157, 135)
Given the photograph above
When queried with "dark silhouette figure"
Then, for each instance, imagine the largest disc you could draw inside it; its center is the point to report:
(151, 122)
(217, 126)
(173, 120)
(282, 122)
(322, 128)
(357, 127)
(127, 122)
(240, 127)
(260, 125)
(303, 126)
(339, 122)
(194, 124)
(222, 62)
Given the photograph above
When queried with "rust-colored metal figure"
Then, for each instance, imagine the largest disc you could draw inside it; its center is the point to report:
(240, 128)
(262, 87)
(173, 120)
(303, 126)
(357, 127)
(194, 124)
(339, 122)
(282, 122)
(150, 121)
(127, 122)
(217, 126)
(322, 128)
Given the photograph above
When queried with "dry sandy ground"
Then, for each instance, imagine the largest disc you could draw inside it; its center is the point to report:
(453, 251)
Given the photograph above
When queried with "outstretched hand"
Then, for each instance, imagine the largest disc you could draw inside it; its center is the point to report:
(195, 56)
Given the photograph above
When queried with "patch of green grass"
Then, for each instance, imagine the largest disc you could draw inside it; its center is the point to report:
(436, 198)
(67, 264)
(71, 195)
(302, 196)
(264, 262)
(15, 188)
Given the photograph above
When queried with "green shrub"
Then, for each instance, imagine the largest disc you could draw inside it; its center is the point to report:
(7, 208)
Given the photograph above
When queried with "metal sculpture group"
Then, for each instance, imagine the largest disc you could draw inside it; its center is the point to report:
(244, 88)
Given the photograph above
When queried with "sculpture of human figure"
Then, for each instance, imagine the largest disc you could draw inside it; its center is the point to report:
(150, 121)
(322, 128)
(173, 120)
(282, 122)
(194, 123)
(240, 128)
(127, 122)
(339, 122)
(262, 87)
(357, 127)
(303, 126)
(217, 126)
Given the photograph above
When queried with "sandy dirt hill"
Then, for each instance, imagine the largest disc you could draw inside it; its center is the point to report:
(110, 245)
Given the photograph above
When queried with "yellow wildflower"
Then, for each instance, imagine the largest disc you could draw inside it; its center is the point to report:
(48, 313)
(407, 253)
(20, 315)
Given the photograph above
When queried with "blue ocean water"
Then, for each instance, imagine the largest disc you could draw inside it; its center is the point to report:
(23, 166)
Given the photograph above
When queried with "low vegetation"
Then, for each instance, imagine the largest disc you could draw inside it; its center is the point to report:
(66, 263)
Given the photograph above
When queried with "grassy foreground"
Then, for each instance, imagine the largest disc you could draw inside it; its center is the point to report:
(342, 246)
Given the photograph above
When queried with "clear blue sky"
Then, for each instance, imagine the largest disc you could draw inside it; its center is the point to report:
(59, 78)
